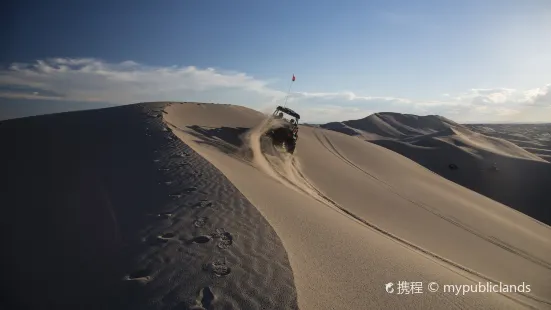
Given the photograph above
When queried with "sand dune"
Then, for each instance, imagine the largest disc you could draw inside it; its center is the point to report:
(186, 206)
(471, 158)
(353, 216)
(534, 138)
(107, 209)
(392, 125)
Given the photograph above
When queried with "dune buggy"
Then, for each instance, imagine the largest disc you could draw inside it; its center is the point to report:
(285, 133)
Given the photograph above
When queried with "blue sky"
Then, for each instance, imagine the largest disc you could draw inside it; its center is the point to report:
(467, 60)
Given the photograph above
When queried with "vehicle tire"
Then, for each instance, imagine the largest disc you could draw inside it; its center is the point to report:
(290, 147)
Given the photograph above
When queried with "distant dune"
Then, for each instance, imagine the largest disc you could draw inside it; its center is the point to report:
(483, 161)
(535, 138)
(392, 125)
(188, 206)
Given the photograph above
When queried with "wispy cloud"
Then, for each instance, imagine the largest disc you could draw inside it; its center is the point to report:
(500, 96)
(126, 82)
(94, 80)
(540, 96)
(346, 96)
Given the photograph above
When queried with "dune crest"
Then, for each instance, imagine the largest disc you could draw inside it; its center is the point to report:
(354, 216)
(489, 165)
(392, 125)
(108, 209)
(187, 205)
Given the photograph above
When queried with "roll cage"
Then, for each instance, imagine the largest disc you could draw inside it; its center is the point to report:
(287, 111)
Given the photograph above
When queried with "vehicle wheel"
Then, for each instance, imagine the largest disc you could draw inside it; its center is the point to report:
(290, 147)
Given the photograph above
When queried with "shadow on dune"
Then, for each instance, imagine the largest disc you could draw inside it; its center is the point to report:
(230, 136)
(75, 198)
(495, 168)
(518, 183)
(534, 138)
(229, 140)
(85, 201)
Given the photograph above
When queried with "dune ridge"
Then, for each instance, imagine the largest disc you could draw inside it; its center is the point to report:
(187, 205)
(392, 125)
(107, 209)
(340, 201)
(535, 138)
(492, 166)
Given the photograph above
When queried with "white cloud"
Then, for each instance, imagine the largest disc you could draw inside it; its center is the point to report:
(94, 80)
(539, 96)
(30, 96)
(126, 82)
(345, 95)
(505, 96)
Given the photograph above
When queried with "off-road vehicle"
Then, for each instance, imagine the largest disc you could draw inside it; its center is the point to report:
(285, 131)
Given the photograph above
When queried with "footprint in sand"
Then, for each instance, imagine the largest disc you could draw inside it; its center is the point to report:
(199, 239)
(204, 300)
(166, 237)
(218, 267)
(200, 222)
(141, 275)
(225, 241)
(225, 238)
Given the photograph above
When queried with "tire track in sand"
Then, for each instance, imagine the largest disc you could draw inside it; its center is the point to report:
(519, 252)
(286, 169)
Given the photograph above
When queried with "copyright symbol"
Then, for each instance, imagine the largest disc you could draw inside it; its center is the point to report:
(433, 287)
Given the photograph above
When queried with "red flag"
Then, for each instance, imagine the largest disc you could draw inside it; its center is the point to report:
(293, 77)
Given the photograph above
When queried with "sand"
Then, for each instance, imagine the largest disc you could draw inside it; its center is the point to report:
(107, 209)
(353, 216)
(488, 161)
(186, 206)
(534, 138)
(391, 125)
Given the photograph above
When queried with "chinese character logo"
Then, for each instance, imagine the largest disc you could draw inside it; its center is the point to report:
(407, 288)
